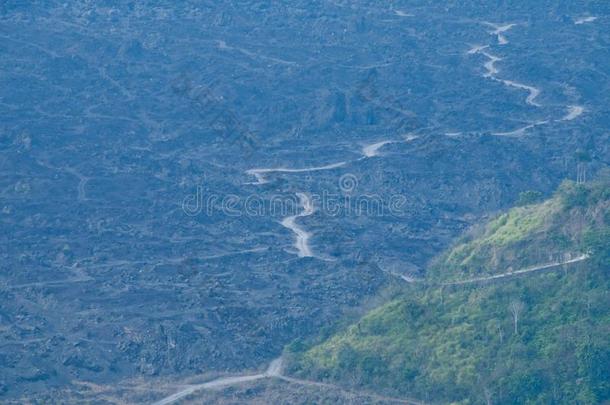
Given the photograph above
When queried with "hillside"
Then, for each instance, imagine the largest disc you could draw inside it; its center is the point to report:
(542, 337)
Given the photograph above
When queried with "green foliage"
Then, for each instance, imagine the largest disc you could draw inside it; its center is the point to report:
(470, 345)
(597, 244)
(451, 345)
(529, 197)
(505, 241)
(573, 195)
(530, 234)
(517, 224)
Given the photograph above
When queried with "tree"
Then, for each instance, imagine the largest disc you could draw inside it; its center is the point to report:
(516, 307)
(582, 157)
(597, 244)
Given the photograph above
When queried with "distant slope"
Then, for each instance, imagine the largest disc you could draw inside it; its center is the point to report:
(528, 235)
(540, 338)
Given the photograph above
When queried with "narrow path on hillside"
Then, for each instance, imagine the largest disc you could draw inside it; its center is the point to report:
(500, 276)
(519, 272)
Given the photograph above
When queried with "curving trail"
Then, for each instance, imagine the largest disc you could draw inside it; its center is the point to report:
(574, 111)
(520, 131)
(476, 49)
(82, 180)
(82, 183)
(403, 14)
(367, 152)
(373, 149)
(500, 276)
(302, 236)
(492, 72)
(534, 92)
(583, 20)
(499, 30)
(274, 370)
(214, 384)
(490, 65)
(518, 272)
(222, 45)
(259, 174)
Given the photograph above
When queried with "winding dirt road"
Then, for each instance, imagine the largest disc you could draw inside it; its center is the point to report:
(501, 276)
(509, 274)
(302, 237)
(259, 174)
(273, 371)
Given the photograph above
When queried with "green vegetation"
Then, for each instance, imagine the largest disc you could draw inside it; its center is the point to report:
(543, 338)
(529, 197)
(528, 235)
(481, 252)
(597, 243)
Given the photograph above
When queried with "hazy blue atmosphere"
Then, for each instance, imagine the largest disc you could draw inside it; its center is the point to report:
(304, 202)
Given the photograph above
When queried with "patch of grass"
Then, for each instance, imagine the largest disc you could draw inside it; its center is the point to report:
(520, 223)
(484, 253)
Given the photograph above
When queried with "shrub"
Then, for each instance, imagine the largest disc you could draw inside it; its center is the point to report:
(529, 197)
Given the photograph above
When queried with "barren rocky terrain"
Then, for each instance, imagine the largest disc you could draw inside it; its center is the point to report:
(143, 145)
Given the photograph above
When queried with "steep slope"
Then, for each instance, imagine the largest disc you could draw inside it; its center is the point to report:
(541, 337)
(552, 231)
